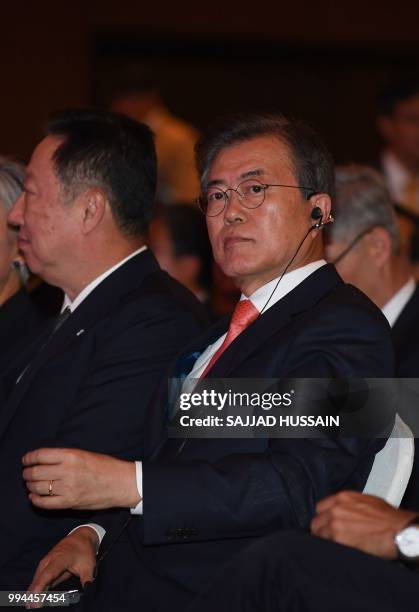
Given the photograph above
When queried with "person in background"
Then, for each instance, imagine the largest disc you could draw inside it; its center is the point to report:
(353, 561)
(20, 314)
(179, 239)
(398, 125)
(177, 180)
(363, 243)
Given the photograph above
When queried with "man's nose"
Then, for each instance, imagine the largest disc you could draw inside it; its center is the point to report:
(15, 216)
(234, 211)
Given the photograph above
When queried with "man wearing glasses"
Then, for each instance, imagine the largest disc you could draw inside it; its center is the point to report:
(266, 192)
(364, 245)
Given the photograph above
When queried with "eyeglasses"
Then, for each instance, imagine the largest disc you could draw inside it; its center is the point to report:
(352, 244)
(251, 193)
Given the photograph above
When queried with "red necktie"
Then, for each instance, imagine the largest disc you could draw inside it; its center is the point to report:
(244, 314)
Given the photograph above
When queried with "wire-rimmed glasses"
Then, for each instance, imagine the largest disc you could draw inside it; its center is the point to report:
(251, 193)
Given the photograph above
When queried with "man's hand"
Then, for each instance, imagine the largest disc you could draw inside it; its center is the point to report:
(361, 521)
(65, 478)
(74, 555)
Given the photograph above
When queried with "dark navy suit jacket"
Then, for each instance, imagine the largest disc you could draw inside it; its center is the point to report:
(206, 499)
(89, 387)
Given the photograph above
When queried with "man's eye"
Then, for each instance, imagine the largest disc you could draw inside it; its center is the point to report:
(253, 190)
(215, 196)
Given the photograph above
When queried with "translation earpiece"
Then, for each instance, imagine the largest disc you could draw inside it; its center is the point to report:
(316, 213)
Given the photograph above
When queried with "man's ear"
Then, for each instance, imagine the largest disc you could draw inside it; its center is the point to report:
(379, 245)
(92, 205)
(322, 201)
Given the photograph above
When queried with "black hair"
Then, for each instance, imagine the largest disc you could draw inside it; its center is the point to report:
(110, 151)
(312, 162)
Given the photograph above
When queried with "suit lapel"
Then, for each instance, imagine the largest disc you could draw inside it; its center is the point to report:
(92, 310)
(297, 301)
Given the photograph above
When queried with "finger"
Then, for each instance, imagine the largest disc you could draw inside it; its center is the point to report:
(87, 573)
(49, 502)
(325, 504)
(53, 573)
(40, 487)
(44, 580)
(42, 472)
(343, 497)
(44, 456)
(319, 522)
(45, 487)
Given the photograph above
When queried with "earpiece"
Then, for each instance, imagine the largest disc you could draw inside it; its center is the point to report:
(317, 213)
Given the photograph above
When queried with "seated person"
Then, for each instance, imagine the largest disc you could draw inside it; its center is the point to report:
(267, 184)
(353, 561)
(88, 380)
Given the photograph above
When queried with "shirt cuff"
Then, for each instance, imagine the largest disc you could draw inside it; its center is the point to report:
(139, 475)
(100, 532)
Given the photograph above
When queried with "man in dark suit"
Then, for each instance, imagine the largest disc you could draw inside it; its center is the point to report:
(364, 245)
(89, 380)
(360, 567)
(266, 185)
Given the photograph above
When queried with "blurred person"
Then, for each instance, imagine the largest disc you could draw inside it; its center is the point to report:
(398, 125)
(20, 315)
(362, 556)
(89, 379)
(177, 180)
(266, 192)
(179, 239)
(363, 244)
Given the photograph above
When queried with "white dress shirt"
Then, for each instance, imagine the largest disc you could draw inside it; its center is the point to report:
(72, 305)
(393, 308)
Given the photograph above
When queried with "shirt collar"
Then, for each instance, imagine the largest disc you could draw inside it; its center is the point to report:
(289, 281)
(395, 305)
(91, 286)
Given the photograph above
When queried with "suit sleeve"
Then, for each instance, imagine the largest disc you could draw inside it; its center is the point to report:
(106, 409)
(278, 485)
